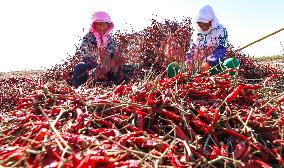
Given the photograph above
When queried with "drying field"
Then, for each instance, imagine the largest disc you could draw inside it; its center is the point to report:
(191, 120)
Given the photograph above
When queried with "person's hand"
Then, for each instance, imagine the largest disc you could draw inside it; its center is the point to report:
(100, 73)
(205, 66)
(116, 62)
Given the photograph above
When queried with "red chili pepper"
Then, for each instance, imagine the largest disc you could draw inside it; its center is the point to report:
(6, 153)
(280, 99)
(15, 129)
(251, 87)
(17, 156)
(126, 164)
(150, 99)
(85, 162)
(163, 146)
(256, 163)
(224, 149)
(119, 90)
(216, 118)
(78, 140)
(140, 97)
(38, 159)
(232, 95)
(129, 163)
(138, 140)
(239, 149)
(174, 160)
(215, 152)
(103, 101)
(116, 101)
(267, 80)
(33, 117)
(235, 134)
(52, 153)
(166, 100)
(150, 143)
(107, 124)
(204, 115)
(258, 146)
(246, 153)
(278, 141)
(277, 153)
(128, 110)
(126, 137)
(201, 126)
(40, 136)
(255, 146)
(16, 141)
(95, 160)
(140, 121)
(132, 128)
(75, 159)
(104, 131)
(56, 111)
(170, 115)
(140, 112)
(180, 134)
(79, 114)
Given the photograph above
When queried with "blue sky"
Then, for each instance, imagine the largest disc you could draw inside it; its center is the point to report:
(39, 33)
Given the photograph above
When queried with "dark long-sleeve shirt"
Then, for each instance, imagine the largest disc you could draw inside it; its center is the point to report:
(89, 49)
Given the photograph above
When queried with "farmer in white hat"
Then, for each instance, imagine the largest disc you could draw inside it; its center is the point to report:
(210, 32)
(211, 38)
(99, 53)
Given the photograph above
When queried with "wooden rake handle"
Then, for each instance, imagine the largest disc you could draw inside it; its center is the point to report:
(260, 39)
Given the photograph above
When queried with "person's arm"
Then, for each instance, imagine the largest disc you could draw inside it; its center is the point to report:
(220, 50)
(223, 37)
(111, 46)
(197, 48)
(190, 52)
(87, 50)
(115, 56)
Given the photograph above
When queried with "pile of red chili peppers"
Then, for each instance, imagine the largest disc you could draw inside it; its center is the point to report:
(185, 121)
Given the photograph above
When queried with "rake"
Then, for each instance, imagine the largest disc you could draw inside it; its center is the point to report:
(262, 38)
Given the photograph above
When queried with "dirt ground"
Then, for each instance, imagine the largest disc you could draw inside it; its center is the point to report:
(30, 73)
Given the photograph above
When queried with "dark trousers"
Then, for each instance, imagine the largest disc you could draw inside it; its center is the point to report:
(80, 74)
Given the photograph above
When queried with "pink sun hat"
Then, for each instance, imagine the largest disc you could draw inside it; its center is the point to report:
(101, 17)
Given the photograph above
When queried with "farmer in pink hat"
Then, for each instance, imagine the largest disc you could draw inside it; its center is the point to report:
(99, 53)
